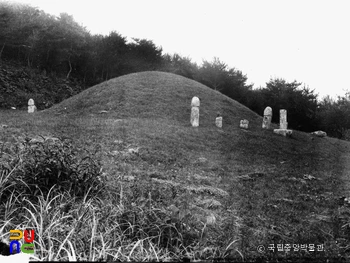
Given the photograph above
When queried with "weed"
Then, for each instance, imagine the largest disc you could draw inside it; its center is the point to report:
(37, 165)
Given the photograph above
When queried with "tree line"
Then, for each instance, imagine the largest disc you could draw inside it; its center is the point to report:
(60, 46)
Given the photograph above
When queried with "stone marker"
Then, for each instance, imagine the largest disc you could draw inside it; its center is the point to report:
(195, 102)
(218, 121)
(195, 112)
(31, 106)
(244, 124)
(283, 119)
(267, 118)
(319, 133)
(283, 132)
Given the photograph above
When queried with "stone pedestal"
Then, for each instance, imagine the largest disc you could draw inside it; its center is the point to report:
(283, 132)
(319, 133)
(244, 124)
(218, 122)
(31, 109)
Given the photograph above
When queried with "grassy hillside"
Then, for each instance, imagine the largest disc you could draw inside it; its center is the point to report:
(204, 192)
(19, 83)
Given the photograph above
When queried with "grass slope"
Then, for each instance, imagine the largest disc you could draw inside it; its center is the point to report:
(233, 189)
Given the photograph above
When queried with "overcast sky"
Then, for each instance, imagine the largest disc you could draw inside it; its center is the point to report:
(307, 41)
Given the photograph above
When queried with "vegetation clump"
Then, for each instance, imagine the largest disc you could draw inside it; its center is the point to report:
(40, 164)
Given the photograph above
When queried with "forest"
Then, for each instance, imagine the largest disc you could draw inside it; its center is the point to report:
(59, 58)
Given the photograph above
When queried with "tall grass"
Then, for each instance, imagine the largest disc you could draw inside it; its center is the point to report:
(50, 186)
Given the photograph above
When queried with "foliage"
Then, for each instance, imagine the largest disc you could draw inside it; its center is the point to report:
(228, 81)
(144, 55)
(334, 116)
(38, 165)
(109, 56)
(61, 45)
(180, 65)
(213, 74)
(300, 103)
(218, 76)
(19, 83)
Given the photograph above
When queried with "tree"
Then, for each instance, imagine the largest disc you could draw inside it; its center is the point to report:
(69, 40)
(213, 74)
(334, 116)
(180, 65)
(300, 103)
(236, 87)
(18, 25)
(111, 55)
(229, 81)
(7, 16)
(144, 55)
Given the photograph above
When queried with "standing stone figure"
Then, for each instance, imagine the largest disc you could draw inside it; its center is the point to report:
(31, 106)
(283, 119)
(244, 124)
(267, 118)
(218, 121)
(283, 130)
(195, 112)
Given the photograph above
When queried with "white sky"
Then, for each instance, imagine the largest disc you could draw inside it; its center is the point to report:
(307, 41)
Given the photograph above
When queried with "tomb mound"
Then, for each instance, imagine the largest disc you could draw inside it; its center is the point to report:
(154, 95)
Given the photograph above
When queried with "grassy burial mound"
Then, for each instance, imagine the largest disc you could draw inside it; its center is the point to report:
(154, 95)
(171, 190)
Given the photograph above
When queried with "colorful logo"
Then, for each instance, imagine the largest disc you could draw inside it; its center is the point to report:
(28, 237)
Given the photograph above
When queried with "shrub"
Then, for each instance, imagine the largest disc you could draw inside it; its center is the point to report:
(160, 212)
(39, 165)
